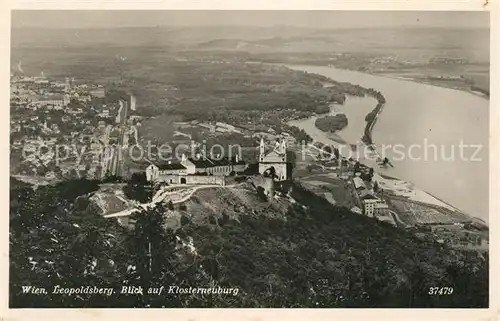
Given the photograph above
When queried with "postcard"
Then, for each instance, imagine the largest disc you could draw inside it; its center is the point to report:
(321, 163)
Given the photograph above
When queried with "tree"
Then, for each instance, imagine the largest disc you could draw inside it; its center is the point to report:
(151, 249)
(322, 109)
(261, 193)
(331, 123)
(111, 178)
(356, 167)
(370, 174)
(313, 255)
(336, 153)
(71, 189)
(326, 152)
(270, 172)
(185, 220)
(56, 235)
(138, 188)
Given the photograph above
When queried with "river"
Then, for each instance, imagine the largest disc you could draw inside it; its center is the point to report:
(436, 138)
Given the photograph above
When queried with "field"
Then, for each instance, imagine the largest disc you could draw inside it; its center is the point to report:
(413, 213)
(330, 187)
(467, 77)
(158, 130)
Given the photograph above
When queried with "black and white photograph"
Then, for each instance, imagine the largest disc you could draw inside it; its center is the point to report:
(249, 159)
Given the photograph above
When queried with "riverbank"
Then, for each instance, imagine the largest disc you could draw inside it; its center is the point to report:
(331, 123)
(391, 183)
(411, 112)
(459, 81)
(436, 83)
(332, 135)
(410, 191)
(371, 118)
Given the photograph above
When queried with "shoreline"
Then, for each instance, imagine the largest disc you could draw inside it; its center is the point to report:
(408, 79)
(429, 83)
(392, 76)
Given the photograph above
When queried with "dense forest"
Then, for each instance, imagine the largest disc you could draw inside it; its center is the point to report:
(317, 255)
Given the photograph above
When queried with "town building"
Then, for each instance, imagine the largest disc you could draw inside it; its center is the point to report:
(67, 85)
(226, 128)
(369, 207)
(104, 113)
(359, 184)
(172, 169)
(98, 92)
(374, 207)
(132, 103)
(54, 100)
(381, 209)
(220, 127)
(213, 170)
(210, 127)
(123, 112)
(210, 166)
(356, 210)
(176, 172)
(41, 83)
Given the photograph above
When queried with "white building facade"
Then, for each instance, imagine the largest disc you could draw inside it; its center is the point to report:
(274, 160)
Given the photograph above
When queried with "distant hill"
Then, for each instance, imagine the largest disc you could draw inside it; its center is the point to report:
(471, 42)
(158, 37)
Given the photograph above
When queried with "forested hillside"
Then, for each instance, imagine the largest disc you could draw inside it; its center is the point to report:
(317, 255)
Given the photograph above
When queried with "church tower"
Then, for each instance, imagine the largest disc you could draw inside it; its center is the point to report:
(283, 148)
(262, 150)
(183, 158)
(274, 161)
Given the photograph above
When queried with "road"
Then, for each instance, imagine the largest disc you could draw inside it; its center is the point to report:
(113, 158)
(172, 191)
(399, 222)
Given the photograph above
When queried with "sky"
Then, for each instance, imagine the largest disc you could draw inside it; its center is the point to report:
(315, 19)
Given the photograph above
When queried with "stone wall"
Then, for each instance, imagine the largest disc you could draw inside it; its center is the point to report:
(193, 179)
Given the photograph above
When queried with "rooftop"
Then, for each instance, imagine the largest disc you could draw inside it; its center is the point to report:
(358, 183)
(366, 195)
(206, 162)
(171, 166)
(51, 97)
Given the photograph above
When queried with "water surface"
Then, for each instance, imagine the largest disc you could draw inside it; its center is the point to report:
(423, 129)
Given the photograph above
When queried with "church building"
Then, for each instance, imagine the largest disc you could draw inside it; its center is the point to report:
(274, 162)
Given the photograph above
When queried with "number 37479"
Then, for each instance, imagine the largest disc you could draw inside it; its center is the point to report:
(437, 290)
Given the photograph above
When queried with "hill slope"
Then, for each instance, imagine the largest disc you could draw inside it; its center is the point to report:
(290, 251)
